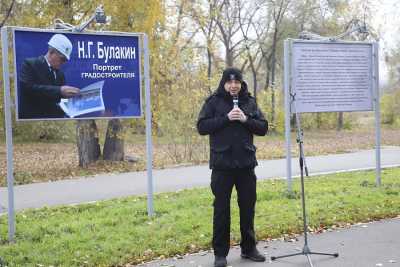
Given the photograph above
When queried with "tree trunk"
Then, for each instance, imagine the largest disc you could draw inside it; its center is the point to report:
(7, 13)
(254, 72)
(273, 66)
(255, 85)
(340, 121)
(87, 138)
(268, 69)
(114, 143)
(209, 66)
(229, 57)
(273, 105)
(319, 120)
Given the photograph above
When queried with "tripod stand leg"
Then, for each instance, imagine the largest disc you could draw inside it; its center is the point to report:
(284, 256)
(309, 260)
(326, 254)
(306, 250)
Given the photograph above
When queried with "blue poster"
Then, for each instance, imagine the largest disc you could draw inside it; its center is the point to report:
(63, 75)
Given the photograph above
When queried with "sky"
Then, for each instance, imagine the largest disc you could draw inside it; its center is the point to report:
(387, 21)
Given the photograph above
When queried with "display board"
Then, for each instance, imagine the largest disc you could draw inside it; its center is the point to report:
(331, 76)
(104, 66)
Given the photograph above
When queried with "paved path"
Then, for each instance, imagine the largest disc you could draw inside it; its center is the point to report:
(375, 244)
(135, 183)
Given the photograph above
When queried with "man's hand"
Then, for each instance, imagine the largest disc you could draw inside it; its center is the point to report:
(236, 114)
(69, 91)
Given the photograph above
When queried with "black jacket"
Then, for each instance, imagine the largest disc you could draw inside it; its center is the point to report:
(39, 92)
(231, 143)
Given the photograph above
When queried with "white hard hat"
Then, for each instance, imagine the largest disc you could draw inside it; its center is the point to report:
(61, 43)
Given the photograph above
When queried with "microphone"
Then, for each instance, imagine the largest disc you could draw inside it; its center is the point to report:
(235, 101)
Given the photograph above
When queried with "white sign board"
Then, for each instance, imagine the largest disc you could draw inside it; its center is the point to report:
(332, 76)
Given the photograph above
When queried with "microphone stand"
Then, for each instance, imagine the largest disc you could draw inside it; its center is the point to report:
(303, 167)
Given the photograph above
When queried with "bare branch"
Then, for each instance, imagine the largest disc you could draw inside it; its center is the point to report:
(8, 13)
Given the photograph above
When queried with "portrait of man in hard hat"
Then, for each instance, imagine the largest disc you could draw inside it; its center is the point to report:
(42, 82)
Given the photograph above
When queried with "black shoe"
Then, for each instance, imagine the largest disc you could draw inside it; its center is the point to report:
(220, 261)
(253, 255)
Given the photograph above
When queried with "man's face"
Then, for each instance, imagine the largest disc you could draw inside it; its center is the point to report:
(233, 87)
(56, 59)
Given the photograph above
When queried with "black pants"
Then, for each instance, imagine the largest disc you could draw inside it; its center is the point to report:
(222, 183)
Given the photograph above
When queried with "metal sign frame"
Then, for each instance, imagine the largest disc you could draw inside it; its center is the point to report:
(8, 105)
(288, 81)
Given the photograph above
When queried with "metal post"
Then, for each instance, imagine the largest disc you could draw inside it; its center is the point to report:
(149, 144)
(287, 114)
(9, 142)
(377, 113)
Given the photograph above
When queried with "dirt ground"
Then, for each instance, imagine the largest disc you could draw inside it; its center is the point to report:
(39, 162)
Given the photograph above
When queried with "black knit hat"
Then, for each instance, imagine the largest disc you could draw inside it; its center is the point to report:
(232, 74)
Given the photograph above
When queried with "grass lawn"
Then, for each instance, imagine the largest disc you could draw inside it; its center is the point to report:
(119, 232)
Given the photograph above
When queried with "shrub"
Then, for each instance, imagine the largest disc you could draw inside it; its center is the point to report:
(390, 108)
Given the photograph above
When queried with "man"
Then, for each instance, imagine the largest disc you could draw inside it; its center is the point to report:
(42, 83)
(232, 160)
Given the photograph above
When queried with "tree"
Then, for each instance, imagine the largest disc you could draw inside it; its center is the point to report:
(205, 16)
(114, 143)
(125, 15)
(5, 11)
(145, 18)
(87, 136)
(250, 32)
(87, 139)
(279, 9)
(229, 29)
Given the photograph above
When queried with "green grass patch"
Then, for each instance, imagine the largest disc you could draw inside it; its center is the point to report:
(117, 232)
